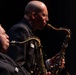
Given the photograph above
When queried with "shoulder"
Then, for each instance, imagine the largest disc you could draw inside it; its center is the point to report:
(19, 25)
(5, 68)
(5, 62)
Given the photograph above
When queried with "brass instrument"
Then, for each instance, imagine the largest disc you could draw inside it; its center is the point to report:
(39, 64)
(55, 69)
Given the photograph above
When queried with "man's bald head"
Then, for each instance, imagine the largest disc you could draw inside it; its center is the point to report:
(34, 6)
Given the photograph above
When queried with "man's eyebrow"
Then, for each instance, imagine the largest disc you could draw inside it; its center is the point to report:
(45, 14)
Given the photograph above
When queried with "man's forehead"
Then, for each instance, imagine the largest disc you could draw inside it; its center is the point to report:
(1, 29)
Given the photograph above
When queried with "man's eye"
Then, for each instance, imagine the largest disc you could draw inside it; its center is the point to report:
(45, 15)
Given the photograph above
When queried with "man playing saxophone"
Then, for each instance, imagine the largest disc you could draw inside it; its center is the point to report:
(35, 18)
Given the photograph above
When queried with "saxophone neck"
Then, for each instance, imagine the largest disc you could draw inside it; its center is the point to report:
(67, 31)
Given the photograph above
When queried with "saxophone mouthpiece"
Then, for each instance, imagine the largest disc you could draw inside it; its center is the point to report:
(14, 42)
(49, 26)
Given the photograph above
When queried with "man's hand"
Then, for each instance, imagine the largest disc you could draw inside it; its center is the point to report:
(55, 61)
(48, 73)
(62, 63)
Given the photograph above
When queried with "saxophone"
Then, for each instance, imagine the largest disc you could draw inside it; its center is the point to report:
(55, 69)
(39, 67)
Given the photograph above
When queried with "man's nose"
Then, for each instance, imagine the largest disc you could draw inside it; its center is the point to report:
(47, 19)
(7, 36)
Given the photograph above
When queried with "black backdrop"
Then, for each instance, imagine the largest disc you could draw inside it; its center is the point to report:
(62, 13)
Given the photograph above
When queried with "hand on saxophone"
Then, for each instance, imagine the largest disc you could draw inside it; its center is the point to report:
(62, 65)
(55, 61)
(48, 73)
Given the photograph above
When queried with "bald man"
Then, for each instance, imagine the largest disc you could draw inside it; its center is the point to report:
(35, 18)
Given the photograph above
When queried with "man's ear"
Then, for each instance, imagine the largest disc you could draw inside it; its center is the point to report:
(33, 15)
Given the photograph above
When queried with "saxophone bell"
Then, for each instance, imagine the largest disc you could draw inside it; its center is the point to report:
(54, 68)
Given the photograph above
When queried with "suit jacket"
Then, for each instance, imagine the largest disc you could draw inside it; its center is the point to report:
(23, 54)
(9, 67)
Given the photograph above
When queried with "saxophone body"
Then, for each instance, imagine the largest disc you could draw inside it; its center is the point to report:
(55, 68)
(39, 66)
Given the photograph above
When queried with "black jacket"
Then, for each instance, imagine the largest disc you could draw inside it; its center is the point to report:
(23, 54)
(9, 67)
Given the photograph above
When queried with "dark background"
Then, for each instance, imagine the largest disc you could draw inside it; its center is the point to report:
(62, 13)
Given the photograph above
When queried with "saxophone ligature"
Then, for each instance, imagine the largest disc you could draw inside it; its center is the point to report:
(55, 69)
